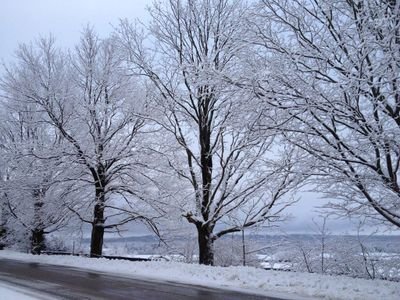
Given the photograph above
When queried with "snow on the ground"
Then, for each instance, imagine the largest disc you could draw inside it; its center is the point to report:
(253, 280)
(9, 292)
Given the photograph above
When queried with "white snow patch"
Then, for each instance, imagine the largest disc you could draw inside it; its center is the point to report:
(253, 280)
(8, 291)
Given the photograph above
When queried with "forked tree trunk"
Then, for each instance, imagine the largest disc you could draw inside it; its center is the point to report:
(206, 245)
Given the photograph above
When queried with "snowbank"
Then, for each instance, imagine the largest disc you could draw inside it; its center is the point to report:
(251, 279)
(8, 291)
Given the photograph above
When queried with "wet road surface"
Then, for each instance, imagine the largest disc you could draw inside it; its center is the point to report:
(68, 283)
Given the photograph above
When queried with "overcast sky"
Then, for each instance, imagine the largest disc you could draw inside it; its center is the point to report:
(22, 21)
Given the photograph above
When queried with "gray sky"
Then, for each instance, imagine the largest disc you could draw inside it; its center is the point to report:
(22, 21)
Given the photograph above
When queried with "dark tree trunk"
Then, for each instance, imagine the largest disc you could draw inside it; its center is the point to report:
(96, 241)
(243, 249)
(3, 234)
(206, 246)
(205, 238)
(37, 241)
(38, 234)
(3, 225)
(206, 158)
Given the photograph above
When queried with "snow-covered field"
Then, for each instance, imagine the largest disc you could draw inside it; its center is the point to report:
(271, 283)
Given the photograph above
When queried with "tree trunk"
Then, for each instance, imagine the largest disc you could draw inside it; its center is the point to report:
(206, 246)
(243, 249)
(37, 238)
(3, 234)
(3, 225)
(96, 241)
(37, 241)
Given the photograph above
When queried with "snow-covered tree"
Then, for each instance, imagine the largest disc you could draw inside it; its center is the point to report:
(31, 196)
(95, 110)
(227, 173)
(333, 67)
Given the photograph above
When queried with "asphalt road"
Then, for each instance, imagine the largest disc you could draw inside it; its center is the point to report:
(68, 283)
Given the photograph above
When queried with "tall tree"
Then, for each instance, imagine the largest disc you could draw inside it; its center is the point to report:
(96, 110)
(334, 69)
(222, 163)
(31, 191)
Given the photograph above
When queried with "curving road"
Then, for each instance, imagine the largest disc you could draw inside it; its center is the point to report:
(68, 283)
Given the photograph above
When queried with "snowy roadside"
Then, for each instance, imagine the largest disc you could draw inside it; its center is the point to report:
(9, 291)
(253, 280)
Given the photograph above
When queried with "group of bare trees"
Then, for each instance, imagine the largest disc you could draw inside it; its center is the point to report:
(77, 110)
(355, 255)
(215, 110)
